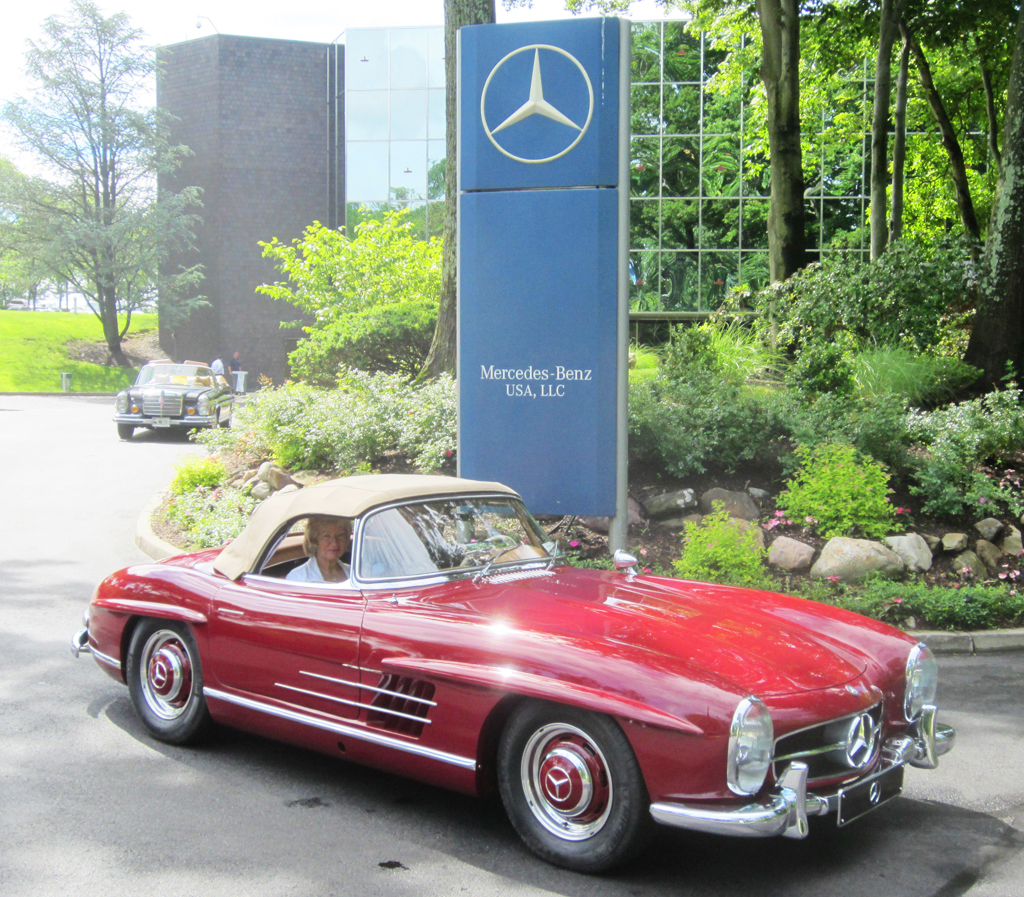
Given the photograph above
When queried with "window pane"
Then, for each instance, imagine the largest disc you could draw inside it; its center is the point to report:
(679, 224)
(721, 166)
(435, 169)
(682, 53)
(408, 169)
(679, 280)
(366, 171)
(366, 59)
(408, 58)
(645, 61)
(436, 124)
(366, 115)
(679, 162)
(682, 109)
(408, 115)
(646, 109)
(719, 273)
(755, 224)
(435, 57)
(720, 222)
(644, 166)
(643, 224)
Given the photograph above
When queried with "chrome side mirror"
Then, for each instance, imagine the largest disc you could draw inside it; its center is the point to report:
(624, 562)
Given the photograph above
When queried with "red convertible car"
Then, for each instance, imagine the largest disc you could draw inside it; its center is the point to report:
(461, 649)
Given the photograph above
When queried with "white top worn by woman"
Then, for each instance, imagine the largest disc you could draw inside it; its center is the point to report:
(310, 572)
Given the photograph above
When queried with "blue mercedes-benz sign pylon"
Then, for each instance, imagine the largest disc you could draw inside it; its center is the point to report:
(543, 220)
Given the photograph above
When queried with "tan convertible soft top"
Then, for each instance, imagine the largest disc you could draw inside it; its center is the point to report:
(347, 497)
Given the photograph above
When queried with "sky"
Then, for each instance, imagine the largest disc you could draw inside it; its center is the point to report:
(322, 22)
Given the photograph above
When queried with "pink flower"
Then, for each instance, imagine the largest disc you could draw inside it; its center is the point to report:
(643, 552)
(1002, 576)
(981, 500)
(833, 579)
(647, 569)
(574, 544)
(780, 513)
(897, 600)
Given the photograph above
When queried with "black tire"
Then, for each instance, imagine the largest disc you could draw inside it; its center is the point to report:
(124, 431)
(603, 817)
(165, 681)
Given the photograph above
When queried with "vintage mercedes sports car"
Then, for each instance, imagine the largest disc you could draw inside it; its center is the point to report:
(167, 395)
(462, 650)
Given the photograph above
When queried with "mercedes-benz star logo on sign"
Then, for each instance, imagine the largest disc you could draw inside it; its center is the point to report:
(537, 105)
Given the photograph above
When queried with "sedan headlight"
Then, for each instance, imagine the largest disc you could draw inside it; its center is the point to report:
(922, 681)
(121, 402)
(750, 747)
(203, 405)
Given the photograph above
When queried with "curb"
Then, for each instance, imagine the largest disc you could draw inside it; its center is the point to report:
(981, 642)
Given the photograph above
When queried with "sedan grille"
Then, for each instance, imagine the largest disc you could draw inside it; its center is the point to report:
(841, 748)
(158, 404)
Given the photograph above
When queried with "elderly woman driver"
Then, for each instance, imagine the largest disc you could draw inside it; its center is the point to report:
(327, 540)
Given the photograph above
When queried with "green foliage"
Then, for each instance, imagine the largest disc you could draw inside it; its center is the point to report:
(908, 296)
(330, 274)
(195, 471)
(845, 492)
(210, 517)
(720, 549)
(302, 426)
(963, 608)
(884, 372)
(822, 367)
(960, 440)
(35, 352)
(390, 339)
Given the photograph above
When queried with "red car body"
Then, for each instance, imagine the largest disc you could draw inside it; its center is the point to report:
(435, 677)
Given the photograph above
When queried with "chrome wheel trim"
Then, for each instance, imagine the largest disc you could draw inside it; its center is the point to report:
(165, 674)
(566, 782)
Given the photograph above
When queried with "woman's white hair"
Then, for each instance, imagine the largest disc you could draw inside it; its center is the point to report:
(313, 526)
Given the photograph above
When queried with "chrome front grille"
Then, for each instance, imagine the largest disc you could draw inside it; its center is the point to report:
(840, 748)
(157, 404)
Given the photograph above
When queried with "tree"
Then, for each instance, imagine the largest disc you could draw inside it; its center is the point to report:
(997, 340)
(99, 219)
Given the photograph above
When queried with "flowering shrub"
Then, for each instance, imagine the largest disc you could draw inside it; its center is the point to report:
(195, 471)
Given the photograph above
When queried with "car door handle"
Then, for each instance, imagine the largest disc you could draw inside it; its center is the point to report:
(230, 612)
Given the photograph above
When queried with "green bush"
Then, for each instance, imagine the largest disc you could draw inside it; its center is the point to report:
(959, 441)
(846, 493)
(210, 517)
(720, 549)
(393, 339)
(822, 368)
(911, 295)
(195, 471)
(302, 426)
(883, 372)
(963, 608)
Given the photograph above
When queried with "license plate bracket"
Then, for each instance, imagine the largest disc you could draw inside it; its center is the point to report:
(863, 797)
(161, 421)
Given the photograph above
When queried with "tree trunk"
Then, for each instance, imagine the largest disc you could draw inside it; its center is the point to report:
(780, 71)
(899, 147)
(891, 13)
(997, 339)
(442, 354)
(949, 138)
(993, 118)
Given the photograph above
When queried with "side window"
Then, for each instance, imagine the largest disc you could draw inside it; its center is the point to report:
(393, 545)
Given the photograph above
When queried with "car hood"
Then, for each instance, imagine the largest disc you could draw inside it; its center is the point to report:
(743, 640)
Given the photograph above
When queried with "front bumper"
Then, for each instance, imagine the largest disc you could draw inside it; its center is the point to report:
(785, 811)
(192, 420)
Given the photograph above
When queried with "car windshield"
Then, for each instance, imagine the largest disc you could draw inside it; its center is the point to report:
(431, 537)
(175, 375)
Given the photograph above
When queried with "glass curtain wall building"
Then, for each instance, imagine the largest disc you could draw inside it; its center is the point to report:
(699, 190)
(395, 124)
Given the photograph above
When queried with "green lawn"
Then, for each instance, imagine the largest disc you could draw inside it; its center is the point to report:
(33, 353)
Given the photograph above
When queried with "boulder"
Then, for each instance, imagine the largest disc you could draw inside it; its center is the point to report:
(990, 528)
(745, 526)
(602, 524)
(683, 522)
(737, 504)
(1011, 543)
(261, 490)
(954, 542)
(790, 555)
(850, 560)
(276, 477)
(934, 542)
(970, 562)
(659, 507)
(913, 550)
(759, 495)
(989, 554)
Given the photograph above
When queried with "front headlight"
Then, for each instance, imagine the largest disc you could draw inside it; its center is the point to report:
(922, 681)
(121, 402)
(750, 747)
(203, 405)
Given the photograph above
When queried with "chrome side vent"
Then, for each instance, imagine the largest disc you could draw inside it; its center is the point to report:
(401, 704)
(514, 575)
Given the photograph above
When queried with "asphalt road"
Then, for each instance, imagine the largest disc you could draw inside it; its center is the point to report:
(90, 805)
